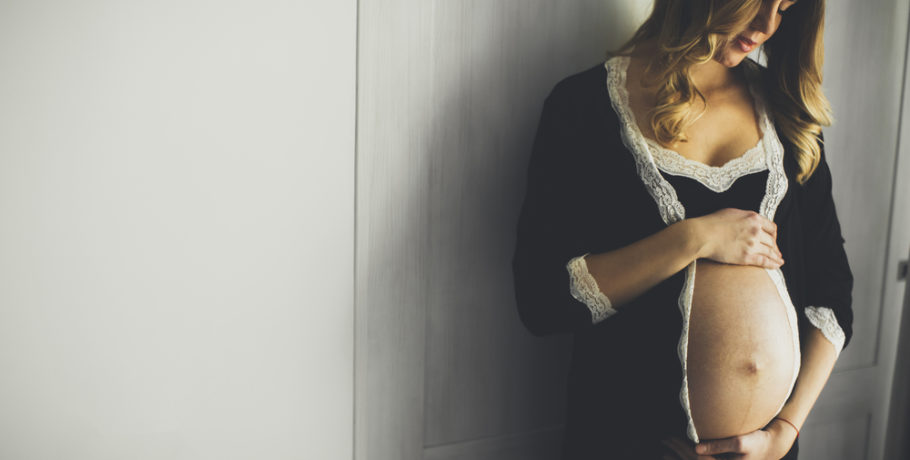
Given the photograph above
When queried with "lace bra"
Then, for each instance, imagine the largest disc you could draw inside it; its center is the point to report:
(715, 178)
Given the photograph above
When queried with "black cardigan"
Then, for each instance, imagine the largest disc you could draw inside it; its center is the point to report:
(584, 195)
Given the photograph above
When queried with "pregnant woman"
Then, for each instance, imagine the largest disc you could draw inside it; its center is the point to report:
(679, 221)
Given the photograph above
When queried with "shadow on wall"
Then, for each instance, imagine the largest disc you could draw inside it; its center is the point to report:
(492, 67)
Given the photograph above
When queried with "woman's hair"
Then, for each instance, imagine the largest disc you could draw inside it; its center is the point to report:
(689, 32)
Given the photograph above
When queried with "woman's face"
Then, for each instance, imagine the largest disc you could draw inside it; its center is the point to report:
(755, 33)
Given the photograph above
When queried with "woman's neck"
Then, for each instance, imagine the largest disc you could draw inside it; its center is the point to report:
(712, 76)
(709, 77)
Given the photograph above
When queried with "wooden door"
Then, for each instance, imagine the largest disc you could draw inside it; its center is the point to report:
(869, 161)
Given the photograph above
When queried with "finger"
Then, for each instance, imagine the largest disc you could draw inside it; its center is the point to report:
(734, 445)
(771, 244)
(769, 226)
(680, 447)
(772, 255)
(763, 259)
(770, 237)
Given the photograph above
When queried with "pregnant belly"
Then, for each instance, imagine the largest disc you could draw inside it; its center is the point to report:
(741, 356)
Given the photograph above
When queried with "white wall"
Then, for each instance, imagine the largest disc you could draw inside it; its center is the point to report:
(176, 229)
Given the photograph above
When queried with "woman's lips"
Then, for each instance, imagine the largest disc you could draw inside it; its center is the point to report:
(744, 43)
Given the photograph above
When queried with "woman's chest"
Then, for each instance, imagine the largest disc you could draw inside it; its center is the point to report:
(745, 191)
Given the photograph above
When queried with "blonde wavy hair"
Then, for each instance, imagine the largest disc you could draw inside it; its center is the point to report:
(690, 32)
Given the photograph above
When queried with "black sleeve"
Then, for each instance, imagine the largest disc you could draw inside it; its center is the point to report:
(545, 238)
(829, 280)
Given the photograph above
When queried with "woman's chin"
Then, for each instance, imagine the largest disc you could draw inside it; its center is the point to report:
(730, 58)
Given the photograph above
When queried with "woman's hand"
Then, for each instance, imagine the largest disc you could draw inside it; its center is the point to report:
(769, 443)
(736, 236)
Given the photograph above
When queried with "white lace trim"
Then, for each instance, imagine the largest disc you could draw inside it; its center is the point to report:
(671, 210)
(715, 178)
(682, 348)
(584, 289)
(668, 204)
(777, 276)
(823, 318)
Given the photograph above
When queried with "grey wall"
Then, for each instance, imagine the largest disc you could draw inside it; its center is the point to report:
(176, 257)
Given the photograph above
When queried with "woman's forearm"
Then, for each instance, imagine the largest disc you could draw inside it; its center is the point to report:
(625, 273)
(818, 357)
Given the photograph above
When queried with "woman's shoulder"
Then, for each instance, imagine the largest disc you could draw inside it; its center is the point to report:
(582, 86)
(581, 99)
(586, 126)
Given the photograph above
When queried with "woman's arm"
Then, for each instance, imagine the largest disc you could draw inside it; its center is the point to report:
(556, 279)
(546, 236)
(626, 273)
(818, 357)
(829, 287)
(729, 235)
(829, 279)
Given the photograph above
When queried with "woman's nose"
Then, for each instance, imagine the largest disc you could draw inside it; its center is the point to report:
(764, 21)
